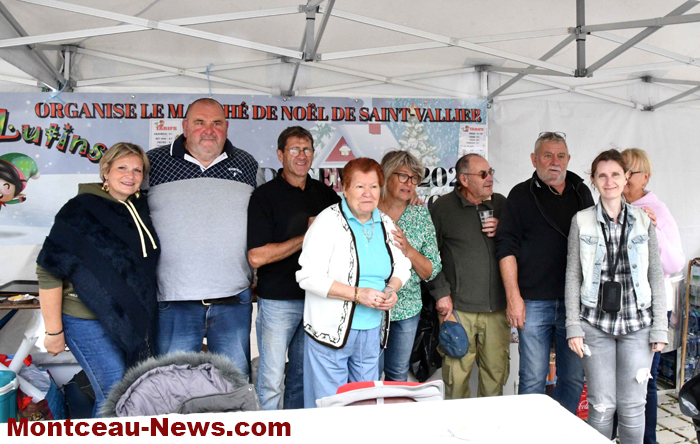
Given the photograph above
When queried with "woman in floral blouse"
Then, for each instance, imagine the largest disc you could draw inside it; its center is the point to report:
(415, 237)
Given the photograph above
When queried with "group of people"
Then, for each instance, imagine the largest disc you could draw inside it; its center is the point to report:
(123, 276)
(339, 277)
(593, 279)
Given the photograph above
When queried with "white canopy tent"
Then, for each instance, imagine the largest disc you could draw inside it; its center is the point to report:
(356, 48)
(620, 73)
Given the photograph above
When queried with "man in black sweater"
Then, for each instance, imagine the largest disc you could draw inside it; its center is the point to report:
(531, 248)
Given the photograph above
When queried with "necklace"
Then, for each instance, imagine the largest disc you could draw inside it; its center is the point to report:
(555, 192)
(368, 232)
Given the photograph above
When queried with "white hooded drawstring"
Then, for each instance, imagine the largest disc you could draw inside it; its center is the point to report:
(139, 223)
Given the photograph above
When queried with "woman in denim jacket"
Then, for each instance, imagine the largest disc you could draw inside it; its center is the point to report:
(615, 301)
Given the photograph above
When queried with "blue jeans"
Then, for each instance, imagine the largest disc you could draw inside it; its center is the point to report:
(545, 320)
(394, 361)
(183, 325)
(279, 326)
(326, 369)
(98, 355)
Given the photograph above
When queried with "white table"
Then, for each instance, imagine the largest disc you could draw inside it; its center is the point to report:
(506, 419)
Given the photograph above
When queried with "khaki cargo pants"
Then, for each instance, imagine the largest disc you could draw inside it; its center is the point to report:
(489, 347)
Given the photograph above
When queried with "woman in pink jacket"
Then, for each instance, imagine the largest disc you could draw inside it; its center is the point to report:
(672, 259)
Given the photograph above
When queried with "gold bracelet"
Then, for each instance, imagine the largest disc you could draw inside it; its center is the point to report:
(357, 295)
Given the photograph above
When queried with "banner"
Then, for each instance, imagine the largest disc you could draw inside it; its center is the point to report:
(49, 145)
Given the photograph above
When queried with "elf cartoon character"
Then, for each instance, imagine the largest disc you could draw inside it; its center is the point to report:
(15, 170)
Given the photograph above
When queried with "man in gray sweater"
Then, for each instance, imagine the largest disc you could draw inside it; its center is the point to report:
(470, 282)
(199, 192)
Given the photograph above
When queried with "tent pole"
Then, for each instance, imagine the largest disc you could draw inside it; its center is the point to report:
(526, 71)
(309, 30)
(289, 92)
(310, 43)
(425, 75)
(462, 43)
(161, 74)
(649, 48)
(434, 45)
(322, 29)
(67, 52)
(580, 39)
(577, 90)
(167, 27)
(636, 68)
(29, 58)
(390, 80)
(639, 37)
(563, 44)
(674, 81)
(672, 99)
(174, 70)
(661, 21)
(123, 29)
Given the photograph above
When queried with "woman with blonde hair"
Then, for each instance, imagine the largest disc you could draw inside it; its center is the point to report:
(415, 237)
(97, 273)
(670, 249)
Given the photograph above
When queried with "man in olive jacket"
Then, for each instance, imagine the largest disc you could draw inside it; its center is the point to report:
(470, 281)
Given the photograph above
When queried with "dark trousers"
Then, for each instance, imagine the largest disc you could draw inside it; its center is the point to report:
(652, 402)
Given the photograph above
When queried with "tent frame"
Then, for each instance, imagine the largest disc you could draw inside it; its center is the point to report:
(27, 53)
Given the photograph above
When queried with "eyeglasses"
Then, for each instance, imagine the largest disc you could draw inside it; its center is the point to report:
(552, 135)
(403, 178)
(632, 173)
(483, 174)
(294, 151)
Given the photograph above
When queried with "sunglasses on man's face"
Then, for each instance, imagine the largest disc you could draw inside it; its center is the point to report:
(483, 174)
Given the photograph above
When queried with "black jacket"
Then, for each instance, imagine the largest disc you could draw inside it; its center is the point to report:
(537, 242)
(95, 244)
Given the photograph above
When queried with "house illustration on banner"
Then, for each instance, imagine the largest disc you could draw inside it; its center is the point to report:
(349, 142)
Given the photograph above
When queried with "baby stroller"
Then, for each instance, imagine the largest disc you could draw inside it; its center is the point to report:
(181, 383)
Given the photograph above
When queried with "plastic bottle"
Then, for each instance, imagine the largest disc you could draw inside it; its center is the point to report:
(695, 274)
(690, 365)
(693, 323)
(695, 283)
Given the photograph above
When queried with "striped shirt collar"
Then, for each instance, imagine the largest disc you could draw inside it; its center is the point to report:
(178, 149)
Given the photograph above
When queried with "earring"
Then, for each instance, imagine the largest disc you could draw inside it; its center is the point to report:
(105, 187)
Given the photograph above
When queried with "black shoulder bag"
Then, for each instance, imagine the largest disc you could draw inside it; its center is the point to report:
(611, 298)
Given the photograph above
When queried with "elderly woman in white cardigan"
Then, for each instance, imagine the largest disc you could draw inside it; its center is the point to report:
(351, 271)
